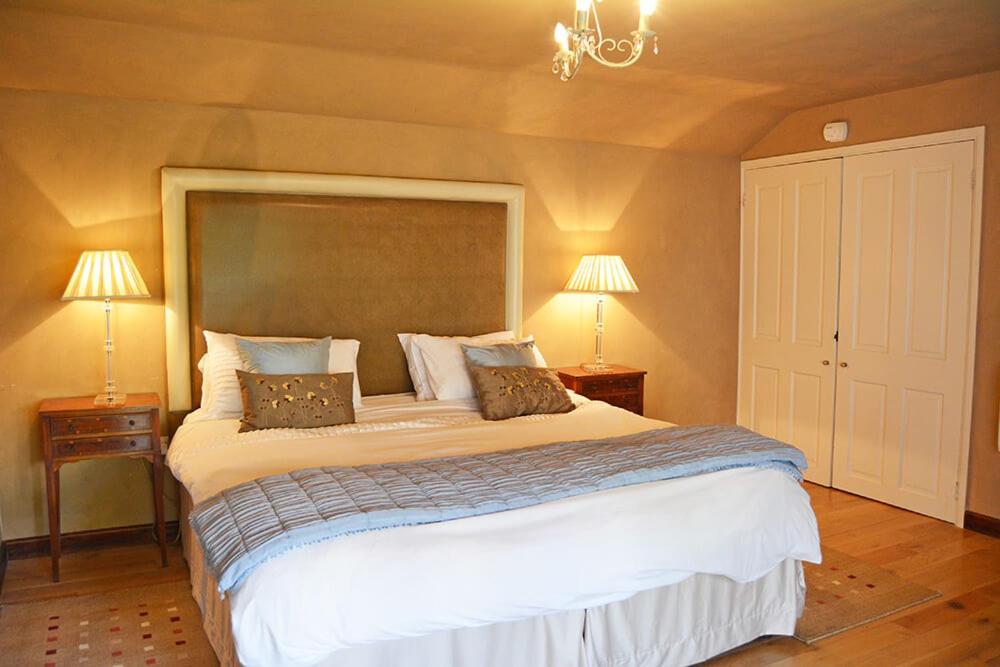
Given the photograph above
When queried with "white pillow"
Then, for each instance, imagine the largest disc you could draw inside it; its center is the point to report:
(205, 384)
(447, 372)
(415, 360)
(415, 365)
(539, 359)
(220, 390)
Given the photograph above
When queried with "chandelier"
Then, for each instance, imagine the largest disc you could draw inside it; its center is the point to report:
(580, 40)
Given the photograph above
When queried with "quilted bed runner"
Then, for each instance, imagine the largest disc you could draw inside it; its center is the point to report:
(253, 522)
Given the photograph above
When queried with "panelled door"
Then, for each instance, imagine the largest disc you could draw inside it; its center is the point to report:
(789, 306)
(904, 319)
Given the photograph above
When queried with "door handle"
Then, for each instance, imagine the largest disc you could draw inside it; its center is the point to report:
(826, 362)
(843, 364)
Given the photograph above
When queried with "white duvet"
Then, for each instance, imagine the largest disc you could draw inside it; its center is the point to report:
(578, 552)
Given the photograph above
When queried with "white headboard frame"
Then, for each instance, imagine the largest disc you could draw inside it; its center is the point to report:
(176, 182)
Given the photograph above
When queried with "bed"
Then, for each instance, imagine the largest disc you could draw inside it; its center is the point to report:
(662, 573)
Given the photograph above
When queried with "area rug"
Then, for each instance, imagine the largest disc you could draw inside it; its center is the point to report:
(844, 592)
(153, 625)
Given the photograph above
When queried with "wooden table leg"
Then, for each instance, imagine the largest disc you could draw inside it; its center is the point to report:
(161, 530)
(52, 492)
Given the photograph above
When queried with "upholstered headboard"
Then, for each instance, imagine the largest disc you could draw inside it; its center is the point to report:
(441, 258)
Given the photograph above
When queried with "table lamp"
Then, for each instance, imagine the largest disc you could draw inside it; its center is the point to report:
(601, 275)
(106, 274)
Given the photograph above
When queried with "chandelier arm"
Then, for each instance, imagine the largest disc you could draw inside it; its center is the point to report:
(565, 71)
(633, 48)
(566, 65)
(597, 22)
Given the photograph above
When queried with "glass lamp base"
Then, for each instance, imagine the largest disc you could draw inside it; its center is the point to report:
(110, 400)
(593, 367)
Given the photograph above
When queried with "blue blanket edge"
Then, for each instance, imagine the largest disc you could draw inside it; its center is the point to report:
(358, 523)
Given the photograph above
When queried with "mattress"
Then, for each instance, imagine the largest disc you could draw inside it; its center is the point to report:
(575, 554)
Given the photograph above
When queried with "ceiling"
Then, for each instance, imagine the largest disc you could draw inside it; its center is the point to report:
(727, 69)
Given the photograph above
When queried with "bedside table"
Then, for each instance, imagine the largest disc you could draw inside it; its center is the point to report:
(74, 429)
(622, 386)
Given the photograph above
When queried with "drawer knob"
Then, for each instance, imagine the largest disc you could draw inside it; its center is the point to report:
(131, 422)
(131, 443)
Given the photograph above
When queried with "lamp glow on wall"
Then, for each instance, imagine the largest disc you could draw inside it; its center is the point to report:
(106, 274)
(601, 275)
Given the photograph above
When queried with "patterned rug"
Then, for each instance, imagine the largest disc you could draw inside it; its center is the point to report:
(154, 625)
(844, 592)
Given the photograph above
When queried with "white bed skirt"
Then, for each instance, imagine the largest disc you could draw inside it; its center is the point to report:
(685, 623)
(695, 619)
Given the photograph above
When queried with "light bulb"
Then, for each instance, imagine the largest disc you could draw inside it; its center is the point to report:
(561, 36)
(646, 7)
(582, 20)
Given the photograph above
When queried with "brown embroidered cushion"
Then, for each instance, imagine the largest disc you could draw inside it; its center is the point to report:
(295, 401)
(512, 391)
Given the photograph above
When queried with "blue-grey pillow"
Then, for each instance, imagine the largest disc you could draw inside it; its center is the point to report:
(501, 354)
(285, 357)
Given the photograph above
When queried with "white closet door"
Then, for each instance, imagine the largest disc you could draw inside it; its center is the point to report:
(791, 223)
(904, 313)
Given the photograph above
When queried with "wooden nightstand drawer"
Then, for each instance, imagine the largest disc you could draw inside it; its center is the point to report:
(97, 424)
(100, 446)
(630, 402)
(610, 385)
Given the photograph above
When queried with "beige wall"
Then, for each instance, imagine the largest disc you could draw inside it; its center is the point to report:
(82, 172)
(959, 103)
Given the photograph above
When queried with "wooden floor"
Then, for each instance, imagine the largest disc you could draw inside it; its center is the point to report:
(960, 628)
(86, 572)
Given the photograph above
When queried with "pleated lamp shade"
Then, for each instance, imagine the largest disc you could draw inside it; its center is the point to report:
(105, 274)
(601, 273)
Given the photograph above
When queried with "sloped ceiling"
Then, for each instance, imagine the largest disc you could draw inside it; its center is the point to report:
(727, 70)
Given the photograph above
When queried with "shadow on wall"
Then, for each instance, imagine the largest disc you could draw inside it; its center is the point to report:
(573, 207)
(39, 255)
(575, 198)
(690, 262)
(595, 217)
(230, 144)
(679, 234)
